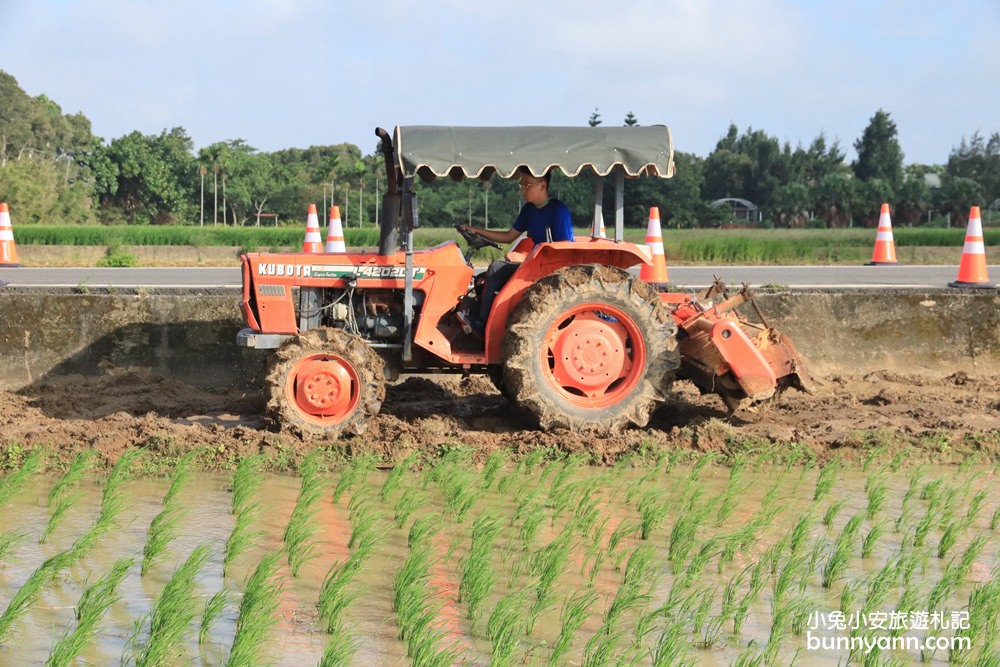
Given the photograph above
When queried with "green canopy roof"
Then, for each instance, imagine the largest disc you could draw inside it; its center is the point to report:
(480, 152)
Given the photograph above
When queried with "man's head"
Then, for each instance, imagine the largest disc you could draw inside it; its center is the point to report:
(535, 190)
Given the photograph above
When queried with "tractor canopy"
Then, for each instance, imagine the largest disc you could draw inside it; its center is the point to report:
(481, 152)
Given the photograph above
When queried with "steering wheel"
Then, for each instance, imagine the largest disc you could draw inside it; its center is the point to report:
(475, 239)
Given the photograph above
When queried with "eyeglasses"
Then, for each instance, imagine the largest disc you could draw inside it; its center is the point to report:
(525, 186)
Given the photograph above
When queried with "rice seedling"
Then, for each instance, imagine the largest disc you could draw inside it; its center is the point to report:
(683, 533)
(423, 528)
(494, 464)
(871, 539)
(670, 649)
(832, 511)
(976, 505)
(876, 489)
(799, 533)
(458, 486)
(111, 507)
(838, 560)
(601, 649)
(181, 475)
(586, 515)
(163, 530)
(174, 610)
(366, 527)
(547, 565)
(246, 482)
(792, 573)
(406, 505)
(984, 621)
(408, 586)
(633, 590)
(9, 539)
(504, 628)
(575, 610)
(243, 535)
(850, 594)
(568, 495)
(211, 612)
(77, 468)
(709, 549)
(60, 506)
(653, 509)
(995, 520)
(14, 482)
(354, 474)
(257, 612)
(301, 528)
(948, 538)
(532, 514)
(96, 599)
(340, 649)
(335, 595)
(477, 575)
(912, 487)
(397, 474)
(877, 591)
(931, 490)
(926, 523)
(827, 478)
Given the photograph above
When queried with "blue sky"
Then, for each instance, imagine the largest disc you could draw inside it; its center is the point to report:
(295, 73)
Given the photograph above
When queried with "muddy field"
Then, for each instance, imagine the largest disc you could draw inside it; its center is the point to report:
(854, 417)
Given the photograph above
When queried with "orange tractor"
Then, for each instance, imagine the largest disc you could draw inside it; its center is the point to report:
(573, 337)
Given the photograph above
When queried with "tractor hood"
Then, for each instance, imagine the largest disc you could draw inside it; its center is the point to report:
(466, 152)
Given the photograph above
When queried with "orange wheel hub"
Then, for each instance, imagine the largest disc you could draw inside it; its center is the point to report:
(324, 388)
(594, 357)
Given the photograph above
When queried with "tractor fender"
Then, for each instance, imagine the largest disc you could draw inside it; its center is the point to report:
(545, 259)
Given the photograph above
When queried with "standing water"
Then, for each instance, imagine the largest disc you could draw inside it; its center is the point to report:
(535, 562)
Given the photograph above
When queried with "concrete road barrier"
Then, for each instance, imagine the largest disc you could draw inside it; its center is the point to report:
(190, 335)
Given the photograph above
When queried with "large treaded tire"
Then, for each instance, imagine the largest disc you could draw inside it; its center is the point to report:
(578, 329)
(344, 384)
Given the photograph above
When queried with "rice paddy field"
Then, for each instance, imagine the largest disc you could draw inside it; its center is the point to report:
(545, 559)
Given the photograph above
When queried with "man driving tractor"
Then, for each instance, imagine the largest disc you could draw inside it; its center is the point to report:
(546, 219)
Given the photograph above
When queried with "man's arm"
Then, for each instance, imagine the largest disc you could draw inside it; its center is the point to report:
(495, 235)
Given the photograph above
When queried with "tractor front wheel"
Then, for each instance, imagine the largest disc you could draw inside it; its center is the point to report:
(325, 382)
(590, 347)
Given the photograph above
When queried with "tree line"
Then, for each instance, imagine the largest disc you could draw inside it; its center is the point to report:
(54, 170)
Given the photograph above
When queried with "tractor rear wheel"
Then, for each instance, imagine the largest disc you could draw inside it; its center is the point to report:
(325, 382)
(590, 347)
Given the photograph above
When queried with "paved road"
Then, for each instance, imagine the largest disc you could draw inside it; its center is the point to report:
(896, 276)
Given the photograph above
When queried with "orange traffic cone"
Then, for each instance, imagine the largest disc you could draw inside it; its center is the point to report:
(313, 242)
(885, 248)
(598, 230)
(335, 234)
(972, 269)
(657, 271)
(8, 251)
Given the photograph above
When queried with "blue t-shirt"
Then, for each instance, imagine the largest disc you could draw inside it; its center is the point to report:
(552, 222)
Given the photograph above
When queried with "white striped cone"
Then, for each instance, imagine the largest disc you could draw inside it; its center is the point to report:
(885, 247)
(972, 269)
(598, 230)
(8, 250)
(657, 271)
(313, 241)
(335, 233)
